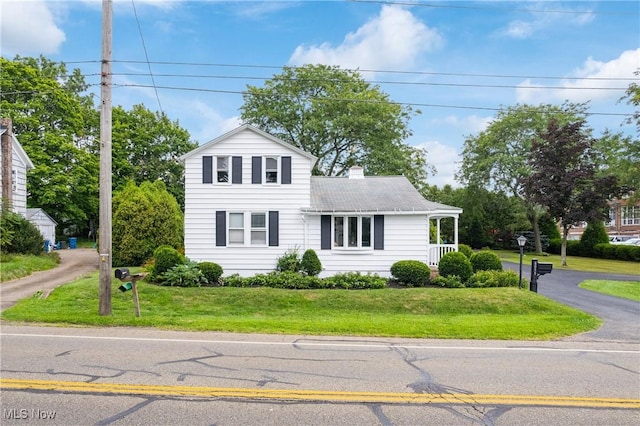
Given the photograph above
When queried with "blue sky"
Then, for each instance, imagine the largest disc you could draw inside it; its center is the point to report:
(455, 61)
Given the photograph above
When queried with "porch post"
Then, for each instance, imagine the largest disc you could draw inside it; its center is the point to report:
(455, 231)
(438, 221)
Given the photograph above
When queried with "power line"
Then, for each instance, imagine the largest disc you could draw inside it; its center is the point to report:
(146, 55)
(405, 83)
(424, 73)
(235, 92)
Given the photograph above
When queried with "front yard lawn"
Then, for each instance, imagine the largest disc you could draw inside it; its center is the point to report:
(487, 313)
(625, 289)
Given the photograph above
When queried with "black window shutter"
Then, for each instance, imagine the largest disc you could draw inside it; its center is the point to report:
(236, 170)
(325, 232)
(378, 232)
(256, 169)
(207, 169)
(286, 170)
(274, 239)
(221, 228)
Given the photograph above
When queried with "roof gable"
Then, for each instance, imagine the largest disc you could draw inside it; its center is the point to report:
(37, 211)
(371, 194)
(248, 127)
(22, 155)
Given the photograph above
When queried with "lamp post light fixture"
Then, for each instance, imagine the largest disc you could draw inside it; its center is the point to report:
(522, 240)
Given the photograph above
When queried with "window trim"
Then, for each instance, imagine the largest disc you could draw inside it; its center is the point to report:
(216, 170)
(346, 222)
(278, 169)
(264, 229)
(230, 228)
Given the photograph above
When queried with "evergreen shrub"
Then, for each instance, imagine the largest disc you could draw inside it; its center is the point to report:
(455, 263)
(20, 236)
(310, 263)
(165, 258)
(411, 273)
(290, 261)
(494, 278)
(485, 260)
(465, 249)
(212, 271)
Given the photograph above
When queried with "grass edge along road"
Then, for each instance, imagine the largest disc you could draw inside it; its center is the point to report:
(486, 313)
(318, 395)
(626, 289)
(574, 263)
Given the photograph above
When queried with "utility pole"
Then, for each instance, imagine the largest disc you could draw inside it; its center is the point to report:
(7, 165)
(104, 236)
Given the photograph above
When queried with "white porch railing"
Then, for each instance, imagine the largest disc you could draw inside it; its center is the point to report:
(436, 251)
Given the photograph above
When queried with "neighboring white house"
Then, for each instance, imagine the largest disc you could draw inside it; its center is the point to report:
(44, 223)
(20, 164)
(250, 198)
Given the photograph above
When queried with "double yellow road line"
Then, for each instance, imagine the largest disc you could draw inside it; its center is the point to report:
(317, 395)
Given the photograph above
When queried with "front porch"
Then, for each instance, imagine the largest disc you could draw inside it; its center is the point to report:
(442, 244)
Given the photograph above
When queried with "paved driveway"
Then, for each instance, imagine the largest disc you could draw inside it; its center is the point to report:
(621, 316)
(74, 263)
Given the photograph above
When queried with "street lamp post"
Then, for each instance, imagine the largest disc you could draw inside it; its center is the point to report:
(522, 240)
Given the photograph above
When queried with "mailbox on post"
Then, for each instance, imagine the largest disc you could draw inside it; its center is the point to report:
(538, 269)
(129, 281)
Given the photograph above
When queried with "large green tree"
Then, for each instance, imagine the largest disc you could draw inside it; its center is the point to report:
(497, 158)
(146, 147)
(145, 217)
(54, 122)
(338, 117)
(564, 179)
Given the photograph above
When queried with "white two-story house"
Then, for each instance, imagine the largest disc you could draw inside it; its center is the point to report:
(250, 198)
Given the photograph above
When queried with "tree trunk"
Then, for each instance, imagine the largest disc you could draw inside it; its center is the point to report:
(563, 247)
(532, 215)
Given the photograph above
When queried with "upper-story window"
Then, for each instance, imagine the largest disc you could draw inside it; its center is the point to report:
(222, 169)
(271, 169)
(631, 215)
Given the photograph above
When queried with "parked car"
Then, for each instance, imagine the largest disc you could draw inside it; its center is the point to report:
(620, 239)
(632, 242)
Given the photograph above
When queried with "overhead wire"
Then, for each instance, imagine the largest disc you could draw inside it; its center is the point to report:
(146, 55)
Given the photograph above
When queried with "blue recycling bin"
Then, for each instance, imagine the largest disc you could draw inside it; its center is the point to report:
(46, 246)
(73, 242)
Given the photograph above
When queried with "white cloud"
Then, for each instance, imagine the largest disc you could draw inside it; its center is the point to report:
(394, 39)
(545, 16)
(584, 83)
(29, 28)
(209, 124)
(445, 159)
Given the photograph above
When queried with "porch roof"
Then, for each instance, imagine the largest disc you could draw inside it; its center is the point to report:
(389, 194)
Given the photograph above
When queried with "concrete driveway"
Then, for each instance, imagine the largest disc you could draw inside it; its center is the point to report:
(74, 263)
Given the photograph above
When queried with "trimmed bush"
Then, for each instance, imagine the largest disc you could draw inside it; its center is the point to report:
(290, 261)
(593, 235)
(554, 246)
(485, 260)
(296, 280)
(411, 273)
(465, 249)
(310, 263)
(455, 263)
(354, 281)
(165, 258)
(211, 271)
(448, 282)
(493, 278)
(19, 235)
(573, 248)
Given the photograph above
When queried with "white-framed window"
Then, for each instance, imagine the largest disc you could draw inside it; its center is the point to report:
(271, 170)
(259, 229)
(223, 169)
(14, 181)
(611, 221)
(236, 228)
(631, 215)
(352, 232)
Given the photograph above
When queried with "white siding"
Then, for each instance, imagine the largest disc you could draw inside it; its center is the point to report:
(203, 200)
(45, 225)
(405, 238)
(19, 187)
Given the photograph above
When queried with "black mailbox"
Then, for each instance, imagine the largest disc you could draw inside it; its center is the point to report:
(122, 273)
(544, 268)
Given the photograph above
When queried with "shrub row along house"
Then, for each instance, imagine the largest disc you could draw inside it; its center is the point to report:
(250, 198)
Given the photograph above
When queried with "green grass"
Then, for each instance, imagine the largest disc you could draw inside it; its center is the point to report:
(625, 289)
(18, 266)
(574, 263)
(492, 313)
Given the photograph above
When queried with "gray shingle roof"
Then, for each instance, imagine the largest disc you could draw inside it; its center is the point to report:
(370, 194)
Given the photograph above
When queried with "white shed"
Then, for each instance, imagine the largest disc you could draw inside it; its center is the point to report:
(44, 223)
